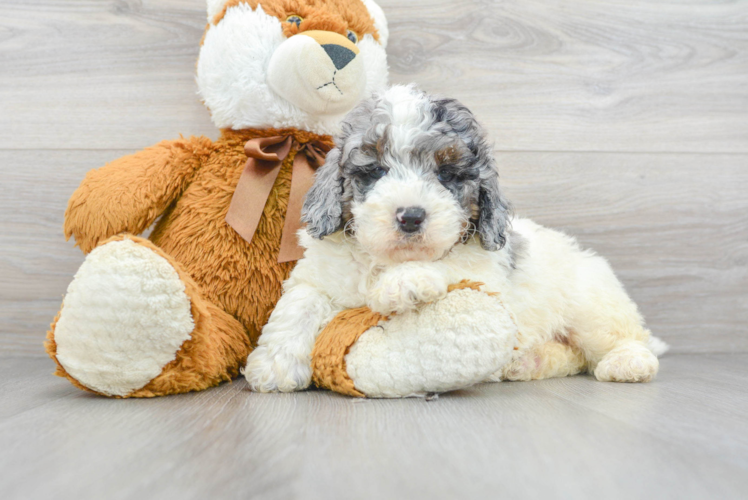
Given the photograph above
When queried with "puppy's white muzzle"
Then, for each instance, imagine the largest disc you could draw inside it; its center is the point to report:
(318, 71)
(380, 225)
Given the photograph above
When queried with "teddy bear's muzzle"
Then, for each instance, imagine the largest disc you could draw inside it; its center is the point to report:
(320, 72)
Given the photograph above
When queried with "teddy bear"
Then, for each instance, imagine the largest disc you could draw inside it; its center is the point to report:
(180, 310)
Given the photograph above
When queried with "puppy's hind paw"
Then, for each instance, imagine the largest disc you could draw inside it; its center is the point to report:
(521, 368)
(277, 371)
(631, 362)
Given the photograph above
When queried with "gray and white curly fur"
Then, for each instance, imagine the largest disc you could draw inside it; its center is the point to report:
(408, 203)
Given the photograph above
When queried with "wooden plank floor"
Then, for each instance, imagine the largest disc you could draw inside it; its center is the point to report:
(681, 437)
(624, 123)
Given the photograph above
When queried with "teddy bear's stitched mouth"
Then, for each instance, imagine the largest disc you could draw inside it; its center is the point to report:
(332, 82)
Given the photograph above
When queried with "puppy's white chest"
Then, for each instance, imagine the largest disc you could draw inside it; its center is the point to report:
(471, 262)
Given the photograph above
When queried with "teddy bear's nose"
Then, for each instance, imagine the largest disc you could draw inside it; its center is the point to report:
(340, 55)
(338, 48)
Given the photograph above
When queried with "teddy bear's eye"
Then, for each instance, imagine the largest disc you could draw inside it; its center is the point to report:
(294, 20)
(352, 36)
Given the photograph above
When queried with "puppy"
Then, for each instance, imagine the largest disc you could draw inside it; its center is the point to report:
(409, 203)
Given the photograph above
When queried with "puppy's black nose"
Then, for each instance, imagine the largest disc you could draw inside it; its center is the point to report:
(340, 55)
(410, 219)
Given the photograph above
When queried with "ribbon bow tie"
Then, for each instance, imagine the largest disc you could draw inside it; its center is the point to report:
(265, 156)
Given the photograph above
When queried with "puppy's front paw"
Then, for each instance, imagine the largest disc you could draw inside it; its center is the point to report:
(276, 371)
(404, 287)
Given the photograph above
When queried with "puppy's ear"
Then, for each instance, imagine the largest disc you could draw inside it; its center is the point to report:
(494, 210)
(323, 205)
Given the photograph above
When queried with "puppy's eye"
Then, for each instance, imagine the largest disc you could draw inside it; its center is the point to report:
(294, 19)
(470, 175)
(445, 175)
(377, 173)
(352, 36)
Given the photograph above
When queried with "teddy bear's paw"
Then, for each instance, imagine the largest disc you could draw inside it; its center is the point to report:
(630, 362)
(124, 317)
(446, 345)
(276, 370)
(405, 287)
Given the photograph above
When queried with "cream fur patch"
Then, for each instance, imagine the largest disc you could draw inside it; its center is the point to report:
(443, 346)
(301, 72)
(124, 318)
(214, 7)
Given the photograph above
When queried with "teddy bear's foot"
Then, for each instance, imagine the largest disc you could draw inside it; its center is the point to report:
(125, 316)
(133, 324)
(450, 344)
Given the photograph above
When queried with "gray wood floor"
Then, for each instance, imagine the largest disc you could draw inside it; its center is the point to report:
(622, 123)
(682, 437)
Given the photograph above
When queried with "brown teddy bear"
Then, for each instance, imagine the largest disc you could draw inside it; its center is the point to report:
(180, 311)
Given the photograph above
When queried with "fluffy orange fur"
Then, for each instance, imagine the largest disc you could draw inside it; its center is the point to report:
(337, 16)
(332, 346)
(233, 284)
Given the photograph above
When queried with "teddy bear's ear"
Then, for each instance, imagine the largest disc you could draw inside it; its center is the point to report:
(214, 8)
(380, 21)
(323, 206)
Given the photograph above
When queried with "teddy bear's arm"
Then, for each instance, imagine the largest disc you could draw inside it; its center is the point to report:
(127, 195)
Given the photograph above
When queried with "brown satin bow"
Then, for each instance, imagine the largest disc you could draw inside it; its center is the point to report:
(265, 156)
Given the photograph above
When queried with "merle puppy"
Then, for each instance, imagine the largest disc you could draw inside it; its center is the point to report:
(409, 203)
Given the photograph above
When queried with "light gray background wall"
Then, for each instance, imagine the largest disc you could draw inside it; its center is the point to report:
(623, 123)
